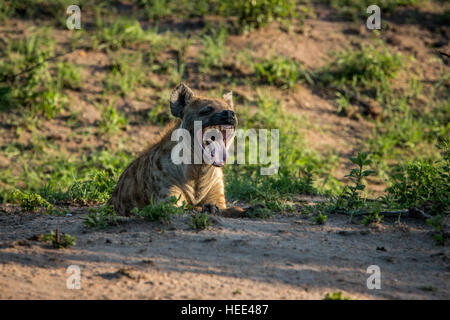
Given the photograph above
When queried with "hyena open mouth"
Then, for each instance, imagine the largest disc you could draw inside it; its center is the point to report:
(214, 141)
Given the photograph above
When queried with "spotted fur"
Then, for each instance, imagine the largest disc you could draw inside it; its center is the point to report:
(153, 174)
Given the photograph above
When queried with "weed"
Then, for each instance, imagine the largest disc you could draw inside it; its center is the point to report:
(369, 68)
(58, 178)
(126, 73)
(437, 223)
(158, 114)
(68, 76)
(123, 32)
(59, 240)
(350, 196)
(373, 217)
(258, 13)
(214, 49)
(102, 217)
(162, 210)
(423, 183)
(30, 201)
(335, 296)
(199, 221)
(320, 219)
(260, 212)
(237, 291)
(97, 188)
(27, 78)
(33, 9)
(280, 71)
(111, 120)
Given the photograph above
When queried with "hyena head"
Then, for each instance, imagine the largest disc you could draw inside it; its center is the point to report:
(212, 122)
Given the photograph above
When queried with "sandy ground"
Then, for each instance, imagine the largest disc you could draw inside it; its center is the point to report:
(286, 257)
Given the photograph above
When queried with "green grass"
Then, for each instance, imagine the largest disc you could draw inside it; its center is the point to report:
(159, 113)
(98, 187)
(68, 76)
(111, 121)
(36, 89)
(214, 50)
(58, 178)
(320, 219)
(102, 217)
(30, 201)
(415, 183)
(368, 68)
(410, 129)
(199, 221)
(161, 211)
(280, 71)
(258, 13)
(122, 32)
(127, 73)
(437, 222)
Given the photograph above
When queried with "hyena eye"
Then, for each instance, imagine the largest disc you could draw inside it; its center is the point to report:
(206, 110)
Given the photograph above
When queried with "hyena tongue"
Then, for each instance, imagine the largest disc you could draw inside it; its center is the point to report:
(218, 153)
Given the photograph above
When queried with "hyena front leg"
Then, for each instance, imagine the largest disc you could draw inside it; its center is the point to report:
(216, 199)
(173, 191)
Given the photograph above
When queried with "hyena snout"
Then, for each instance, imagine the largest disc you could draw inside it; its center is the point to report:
(228, 115)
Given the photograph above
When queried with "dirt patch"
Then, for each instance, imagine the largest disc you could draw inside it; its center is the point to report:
(286, 257)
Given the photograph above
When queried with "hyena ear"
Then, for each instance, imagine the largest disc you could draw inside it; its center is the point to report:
(228, 97)
(179, 99)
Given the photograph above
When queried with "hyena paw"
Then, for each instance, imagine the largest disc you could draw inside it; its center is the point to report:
(210, 208)
(234, 212)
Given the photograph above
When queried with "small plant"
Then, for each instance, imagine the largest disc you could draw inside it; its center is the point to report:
(59, 240)
(370, 67)
(437, 223)
(373, 217)
(102, 217)
(111, 120)
(351, 194)
(158, 114)
(320, 219)
(199, 221)
(26, 80)
(161, 211)
(214, 49)
(122, 32)
(68, 76)
(260, 212)
(97, 188)
(280, 71)
(126, 73)
(423, 183)
(258, 13)
(335, 296)
(30, 201)
(268, 208)
(237, 291)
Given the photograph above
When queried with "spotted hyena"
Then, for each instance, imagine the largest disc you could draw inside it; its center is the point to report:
(156, 175)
